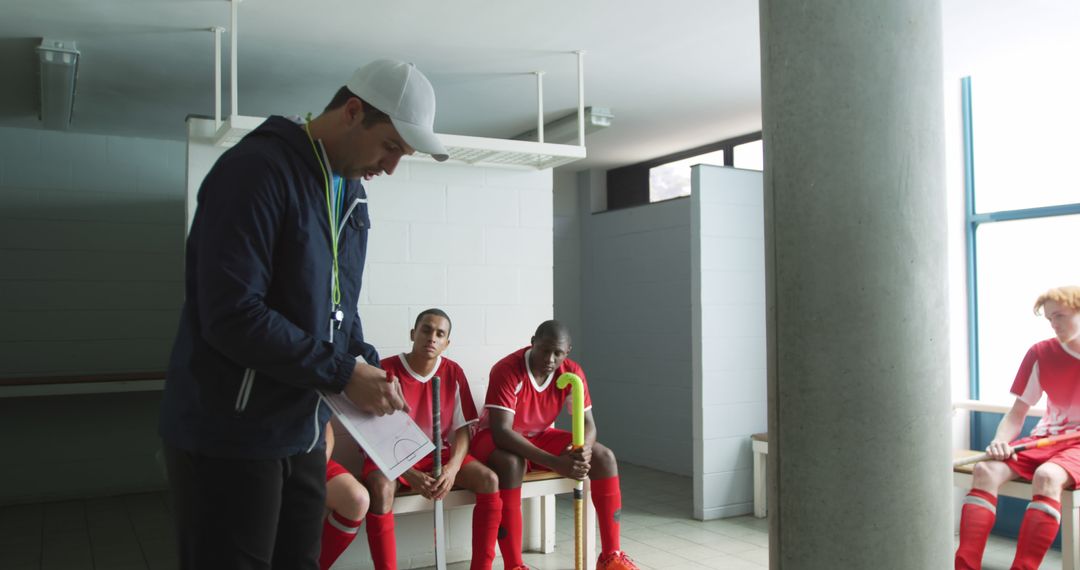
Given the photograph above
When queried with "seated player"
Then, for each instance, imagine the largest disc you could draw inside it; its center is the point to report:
(430, 337)
(1051, 367)
(522, 402)
(347, 502)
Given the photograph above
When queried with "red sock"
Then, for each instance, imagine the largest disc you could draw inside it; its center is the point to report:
(1037, 532)
(338, 533)
(485, 528)
(976, 520)
(510, 528)
(380, 536)
(607, 499)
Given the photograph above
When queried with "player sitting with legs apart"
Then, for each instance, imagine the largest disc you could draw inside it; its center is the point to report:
(522, 402)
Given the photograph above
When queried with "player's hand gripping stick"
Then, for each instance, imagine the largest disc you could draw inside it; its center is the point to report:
(1054, 440)
(577, 415)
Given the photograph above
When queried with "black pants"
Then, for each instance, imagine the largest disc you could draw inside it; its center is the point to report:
(247, 514)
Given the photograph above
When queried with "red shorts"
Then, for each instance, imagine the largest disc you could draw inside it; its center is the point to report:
(551, 440)
(1066, 456)
(333, 469)
(427, 464)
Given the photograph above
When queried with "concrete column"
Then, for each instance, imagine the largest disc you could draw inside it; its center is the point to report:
(856, 284)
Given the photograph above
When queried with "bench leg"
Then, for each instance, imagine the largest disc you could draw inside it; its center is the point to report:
(760, 508)
(532, 523)
(547, 524)
(1070, 517)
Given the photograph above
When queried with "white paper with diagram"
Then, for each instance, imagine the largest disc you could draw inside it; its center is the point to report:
(394, 441)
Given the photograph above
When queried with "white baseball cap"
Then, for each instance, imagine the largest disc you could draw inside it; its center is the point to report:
(402, 92)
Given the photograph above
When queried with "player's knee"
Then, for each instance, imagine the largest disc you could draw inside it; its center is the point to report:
(358, 503)
(1049, 475)
(987, 473)
(488, 482)
(507, 466)
(603, 457)
(381, 491)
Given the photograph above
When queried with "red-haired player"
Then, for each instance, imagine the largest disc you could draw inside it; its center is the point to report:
(1051, 367)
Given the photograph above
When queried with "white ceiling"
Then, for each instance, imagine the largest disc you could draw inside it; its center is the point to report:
(676, 74)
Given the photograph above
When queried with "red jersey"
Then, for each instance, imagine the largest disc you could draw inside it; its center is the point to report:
(535, 404)
(1052, 368)
(458, 408)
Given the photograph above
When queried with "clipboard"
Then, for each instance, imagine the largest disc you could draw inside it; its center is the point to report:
(394, 441)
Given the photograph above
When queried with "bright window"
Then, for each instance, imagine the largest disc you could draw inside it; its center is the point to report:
(1025, 150)
(1023, 216)
(1017, 261)
(750, 156)
(672, 180)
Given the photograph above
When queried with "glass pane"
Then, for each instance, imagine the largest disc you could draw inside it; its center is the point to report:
(672, 180)
(1024, 125)
(1017, 262)
(750, 156)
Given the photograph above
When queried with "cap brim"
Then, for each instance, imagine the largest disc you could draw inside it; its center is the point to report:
(421, 139)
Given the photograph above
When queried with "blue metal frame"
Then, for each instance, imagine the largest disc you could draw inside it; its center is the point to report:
(971, 225)
(1025, 214)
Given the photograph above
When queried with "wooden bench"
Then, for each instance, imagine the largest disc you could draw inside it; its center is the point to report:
(81, 384)
(538, 492)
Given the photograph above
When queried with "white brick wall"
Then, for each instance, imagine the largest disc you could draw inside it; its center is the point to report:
(91, 252)
(451, 236)
(728, 313)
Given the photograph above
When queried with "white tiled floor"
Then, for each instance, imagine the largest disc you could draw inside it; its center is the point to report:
(135, 532)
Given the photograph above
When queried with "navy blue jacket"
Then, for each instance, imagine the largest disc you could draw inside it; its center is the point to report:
(255, 340)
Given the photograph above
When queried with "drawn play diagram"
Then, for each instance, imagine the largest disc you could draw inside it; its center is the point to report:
(394, 442)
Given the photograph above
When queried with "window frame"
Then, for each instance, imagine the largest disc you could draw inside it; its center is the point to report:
(628, 186)
(973, 220)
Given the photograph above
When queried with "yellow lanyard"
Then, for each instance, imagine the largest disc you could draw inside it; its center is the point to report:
(335, 294)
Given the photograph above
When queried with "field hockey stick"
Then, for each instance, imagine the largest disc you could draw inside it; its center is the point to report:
(577, 415)
(1043, 442)
(436, 428)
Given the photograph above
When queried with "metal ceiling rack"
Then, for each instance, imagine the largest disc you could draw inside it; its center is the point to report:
(466, 149)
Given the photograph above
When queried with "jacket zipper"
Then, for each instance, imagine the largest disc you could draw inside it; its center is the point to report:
(344, 219)
(245, 390)
(315, 420)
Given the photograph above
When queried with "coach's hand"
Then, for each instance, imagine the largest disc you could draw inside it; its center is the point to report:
(373, 392)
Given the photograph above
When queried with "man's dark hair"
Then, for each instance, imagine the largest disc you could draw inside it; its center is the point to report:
(553, 330)
(437, 313)
(372, 116)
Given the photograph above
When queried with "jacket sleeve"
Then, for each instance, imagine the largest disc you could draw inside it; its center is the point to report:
(242, 205)
(359, 347)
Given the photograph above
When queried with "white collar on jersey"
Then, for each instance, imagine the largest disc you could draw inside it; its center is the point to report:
(1069, 351)
(547, 381)
(419, 378)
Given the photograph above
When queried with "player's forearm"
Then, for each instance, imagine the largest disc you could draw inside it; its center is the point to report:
(516, 443)
(1010, 427)
(458, 448)
(590, 433)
